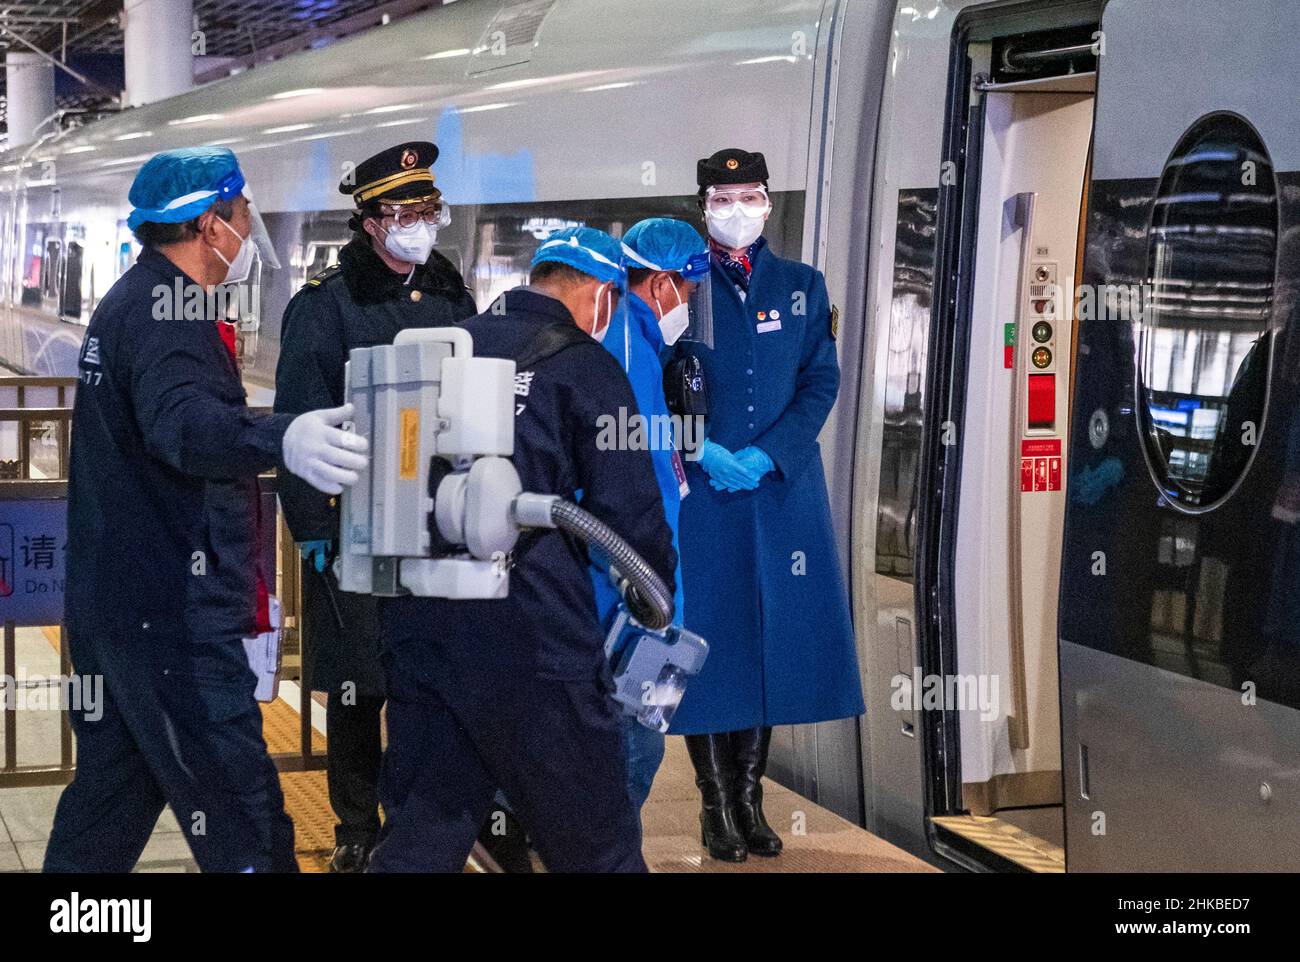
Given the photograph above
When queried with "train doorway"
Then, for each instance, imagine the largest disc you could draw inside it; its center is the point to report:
(1019, 212)
(1012, 487)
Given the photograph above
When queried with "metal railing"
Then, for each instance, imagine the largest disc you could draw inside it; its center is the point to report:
(55, 422)
(22, 487)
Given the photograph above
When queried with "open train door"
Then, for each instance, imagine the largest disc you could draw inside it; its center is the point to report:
(1179, 617)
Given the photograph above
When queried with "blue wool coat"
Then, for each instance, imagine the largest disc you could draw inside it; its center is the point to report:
(760, 567)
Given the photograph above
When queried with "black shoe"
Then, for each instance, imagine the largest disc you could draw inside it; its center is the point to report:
(350, 858)
(719, 833)
(509, 849)
(749, 751)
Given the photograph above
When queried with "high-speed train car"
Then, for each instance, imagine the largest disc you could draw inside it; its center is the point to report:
(1062, 238)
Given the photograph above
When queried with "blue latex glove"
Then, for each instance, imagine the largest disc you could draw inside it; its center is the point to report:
(756, 461)
(317, 552)
(724, 471)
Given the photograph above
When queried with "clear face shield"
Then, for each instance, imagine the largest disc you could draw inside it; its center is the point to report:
(258, 233)
(699, 327)
(243, 299)
(233, 185)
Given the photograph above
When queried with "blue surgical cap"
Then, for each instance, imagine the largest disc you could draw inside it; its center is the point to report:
(666, 244)
(179, 185)
(585, 249)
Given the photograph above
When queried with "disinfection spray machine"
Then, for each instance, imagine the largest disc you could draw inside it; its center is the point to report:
(439, 508)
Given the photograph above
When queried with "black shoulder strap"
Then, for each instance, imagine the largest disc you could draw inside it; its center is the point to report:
(549, 341)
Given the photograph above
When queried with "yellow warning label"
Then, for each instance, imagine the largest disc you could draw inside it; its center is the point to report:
(408, 460)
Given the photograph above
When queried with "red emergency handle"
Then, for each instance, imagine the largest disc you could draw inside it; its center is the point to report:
(1042, 401)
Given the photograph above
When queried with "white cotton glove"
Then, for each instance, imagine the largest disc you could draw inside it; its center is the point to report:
(321, 453)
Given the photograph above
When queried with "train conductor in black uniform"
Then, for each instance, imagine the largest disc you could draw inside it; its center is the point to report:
(388, 277)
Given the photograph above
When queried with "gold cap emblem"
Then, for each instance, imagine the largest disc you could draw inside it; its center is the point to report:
(732, 164)
(408, 159)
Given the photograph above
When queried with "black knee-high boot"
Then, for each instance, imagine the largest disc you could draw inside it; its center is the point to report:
(711, 756)
(749, 752)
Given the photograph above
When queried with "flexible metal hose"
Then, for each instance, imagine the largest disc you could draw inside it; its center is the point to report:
(647, 597)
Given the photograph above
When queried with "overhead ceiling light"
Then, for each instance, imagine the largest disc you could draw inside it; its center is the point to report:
(404, 121)
(614, 86)
(287, 128)
(133, 159)
(324, 135)
(443, 55)
(134, 135)
(788, 58)
(303, 92)
(390, 109)
(84, 148)
(514, 84)
(195, 118)
(482, 107)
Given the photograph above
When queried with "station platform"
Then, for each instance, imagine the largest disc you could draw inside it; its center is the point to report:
(816, 840)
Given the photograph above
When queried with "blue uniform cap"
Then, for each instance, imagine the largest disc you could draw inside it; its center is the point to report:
(666, 244)
(585, 249)
(179, 185)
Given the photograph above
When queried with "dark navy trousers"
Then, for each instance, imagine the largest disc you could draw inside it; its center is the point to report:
(456, 734)
(179, 727)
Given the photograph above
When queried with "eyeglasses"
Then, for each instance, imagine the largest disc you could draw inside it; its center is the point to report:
(435, 215)
(723, 203)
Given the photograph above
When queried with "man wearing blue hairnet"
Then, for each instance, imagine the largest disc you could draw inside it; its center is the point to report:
(515, 693)
(163, 548)
(664, 259)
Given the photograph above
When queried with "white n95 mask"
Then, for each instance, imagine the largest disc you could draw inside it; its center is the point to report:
(413, 244)
(737, 231)
(595, 314)
(237, 269)
(673, 323)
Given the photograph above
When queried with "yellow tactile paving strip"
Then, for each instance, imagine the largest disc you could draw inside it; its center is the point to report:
(1029, 851)
(306, 794)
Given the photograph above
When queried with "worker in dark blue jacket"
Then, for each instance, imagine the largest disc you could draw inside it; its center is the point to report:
(388, 278)
(162, 568)
(515, 693)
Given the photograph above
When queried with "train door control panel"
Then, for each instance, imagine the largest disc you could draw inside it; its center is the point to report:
(1040, 445)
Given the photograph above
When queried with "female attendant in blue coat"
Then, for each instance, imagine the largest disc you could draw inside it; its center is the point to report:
(757, 549)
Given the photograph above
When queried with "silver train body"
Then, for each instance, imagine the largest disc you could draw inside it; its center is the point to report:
(901, 157)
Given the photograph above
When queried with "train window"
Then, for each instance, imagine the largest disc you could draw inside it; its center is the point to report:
(909, 331)
(491, 244)
(504, 236)
(1205, 344)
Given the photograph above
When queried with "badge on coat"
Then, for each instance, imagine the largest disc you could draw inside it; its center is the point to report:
(769, 321)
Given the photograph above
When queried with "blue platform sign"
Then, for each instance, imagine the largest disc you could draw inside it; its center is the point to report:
(33, 555)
